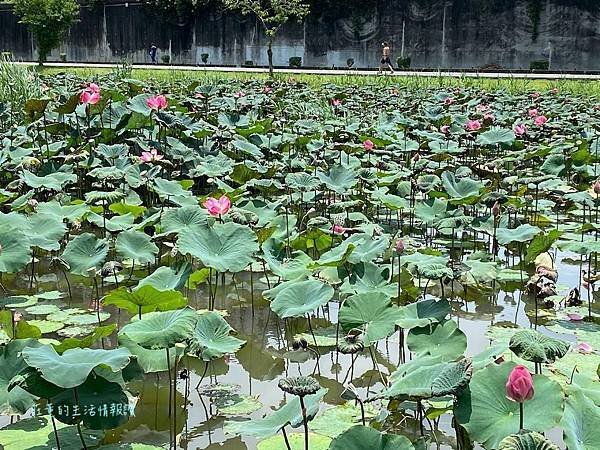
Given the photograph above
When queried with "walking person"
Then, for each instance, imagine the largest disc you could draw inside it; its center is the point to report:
(386, 62)
(152, 53)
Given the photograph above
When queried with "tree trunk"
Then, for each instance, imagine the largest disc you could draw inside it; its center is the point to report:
(270, 55)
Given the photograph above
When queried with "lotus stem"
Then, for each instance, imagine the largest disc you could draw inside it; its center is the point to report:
(55, 432)
(304, 421)
(285, 438)
(521, 416)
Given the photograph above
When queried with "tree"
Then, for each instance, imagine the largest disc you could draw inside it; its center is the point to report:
(48, 21)
(272, 14)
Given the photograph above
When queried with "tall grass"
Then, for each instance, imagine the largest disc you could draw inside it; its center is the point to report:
(17, 85)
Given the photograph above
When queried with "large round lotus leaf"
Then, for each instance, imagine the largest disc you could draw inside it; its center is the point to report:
(84, 319)
(496, 135)
(151, 360)
(16, 251)
(460, 189)
(226, 247)
(211, 339)
(136, 246)
(334, 421)
(145, 299)
(168, 278)
(100, 404)
(176, 220)
(443, 339)
(288, 414)
(527, 441)
(37, 434)
(296, 441)
(161, 329)
(423, 313)
(522, 233)
(85, 252)
(16, 400)
(580, 422)
(339, 179)
(42, 310)
(360, 437)
(46, 231)
(302, 297)
(535, 347)
(489, 416)
(73, 367)
(369, 278)
(47, 326)
(453, 379)
(97, 334)
(373, 313)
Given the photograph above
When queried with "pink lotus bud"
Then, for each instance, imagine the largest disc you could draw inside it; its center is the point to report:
(338, 229)
(399, 246)
(473, 125)
(585, 348)
(368, 145)
(416, 158)
(217, 207)
(496, 209)
(597, 188)
(540, 120)
(519, 386)
(533, 112)
(445, 129)
(520, 129)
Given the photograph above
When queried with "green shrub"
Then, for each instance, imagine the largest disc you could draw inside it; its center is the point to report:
(249, 63)
(541, 64)
(295, 61)
(403, 62)
(204, 57)
(165, 59)
(350, 62)
(17, 85)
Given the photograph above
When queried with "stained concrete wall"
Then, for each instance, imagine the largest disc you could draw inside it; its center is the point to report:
(436, 34)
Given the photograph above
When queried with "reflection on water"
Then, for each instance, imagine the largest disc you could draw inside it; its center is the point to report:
(266, 357)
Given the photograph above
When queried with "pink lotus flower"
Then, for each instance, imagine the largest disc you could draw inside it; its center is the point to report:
(496, 209)
(445, 129)
(535, 95)
(482, 108)
(399, 246)
(151, 156)
(338, 229)
(217, 207)
(200, 95)
(520, 129)
(89, 97)
(17, 316)
(157, 102)
(585, 348)
(368, 145)
(596, 188)
(267, 90)
(336, 102)
(489, 117)
(519, 386)
(473, 125)
(448, 101)
(239, 94)
(94, 87)
(540, 120)
(533, 112)
(574, 317)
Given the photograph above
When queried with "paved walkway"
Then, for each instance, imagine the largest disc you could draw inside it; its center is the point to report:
(439, 73)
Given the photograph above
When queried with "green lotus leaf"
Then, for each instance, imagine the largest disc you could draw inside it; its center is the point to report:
(45, 231)
(580, 422)
(152, 360)
(93, 403)
(533, 346)
(54, 181)
(527, 441)
(16, 400)
(19, 330)
(360, 437)
(523, 233)
(168, 278)
(85, 252)
(177, 220)
(47, 326)
(334, 421)
(136, 246)
(288, 414)
(161, 329)
(453, 378)
(226, 247)
(16, 251)
(133, 446)
(339, 178)
(72, 368)
(302, 297)
(443, 339)
(296, 441)
(37, 433)
(461, 189)
(373, 313)
(368, 278)
(42, 310)
(423, 313)
(496, 135)
(489, 416)
(211, 337)
(98, 334)
(145, 299)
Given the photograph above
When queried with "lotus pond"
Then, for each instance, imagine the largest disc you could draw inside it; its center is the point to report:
(272, 265)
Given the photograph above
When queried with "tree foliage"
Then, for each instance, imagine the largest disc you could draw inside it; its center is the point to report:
(48, 21)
